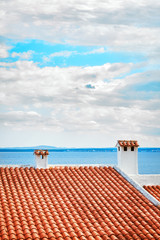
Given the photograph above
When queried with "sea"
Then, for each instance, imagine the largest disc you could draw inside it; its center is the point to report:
(148, 158)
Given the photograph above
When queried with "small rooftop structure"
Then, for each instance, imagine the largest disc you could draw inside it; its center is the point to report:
(127, 152)
(41, 158)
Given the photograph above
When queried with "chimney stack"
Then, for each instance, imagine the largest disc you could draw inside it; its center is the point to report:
(127, 153)
(41, 158)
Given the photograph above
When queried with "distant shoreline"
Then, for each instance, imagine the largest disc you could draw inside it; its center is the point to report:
(54, 149)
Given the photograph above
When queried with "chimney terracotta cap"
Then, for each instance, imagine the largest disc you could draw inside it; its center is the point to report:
(128, 143)
(41, 152)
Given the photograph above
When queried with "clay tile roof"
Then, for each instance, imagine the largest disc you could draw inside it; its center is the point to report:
(41, 152)
(128, 143)
(154, 190)
(72, 203)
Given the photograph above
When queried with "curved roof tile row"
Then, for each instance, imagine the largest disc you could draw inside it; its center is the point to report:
(128, 143)
(154, 190)
(73, 203)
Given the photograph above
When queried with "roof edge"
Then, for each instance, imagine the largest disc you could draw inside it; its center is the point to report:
(138, 187)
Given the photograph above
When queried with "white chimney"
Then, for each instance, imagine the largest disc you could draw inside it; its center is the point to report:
(41, 158)
(127, 153)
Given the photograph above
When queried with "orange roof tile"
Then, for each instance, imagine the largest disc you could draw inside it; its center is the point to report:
(73, 203)
(128, 143)
(41, 152)
(154, 190)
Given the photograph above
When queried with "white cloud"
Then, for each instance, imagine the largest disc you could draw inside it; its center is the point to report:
(120, 25)
(62, 54)
(96, 51)
(57, 99)
(21, 120)
(23, 55)
(66, 54)
(4, 50)
(25, 83)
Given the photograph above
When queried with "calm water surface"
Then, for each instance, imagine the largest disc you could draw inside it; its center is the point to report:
(148, 159)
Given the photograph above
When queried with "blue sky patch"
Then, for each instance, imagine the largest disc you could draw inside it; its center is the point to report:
(148, 87)
(90, 86)
(63, 55)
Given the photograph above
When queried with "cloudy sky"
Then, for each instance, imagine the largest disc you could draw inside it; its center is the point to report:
(79, 73)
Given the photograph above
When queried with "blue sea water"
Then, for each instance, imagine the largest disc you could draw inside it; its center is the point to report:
(148, 158)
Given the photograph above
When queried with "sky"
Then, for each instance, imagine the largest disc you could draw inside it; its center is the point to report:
(79, 73)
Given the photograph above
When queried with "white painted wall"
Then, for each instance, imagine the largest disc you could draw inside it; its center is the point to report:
(41, 162)
(128, 160)
(146, 179)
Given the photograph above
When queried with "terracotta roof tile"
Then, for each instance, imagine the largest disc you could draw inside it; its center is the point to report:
(41, 152)
(73, 203)
(154, 190)
(128, 143)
